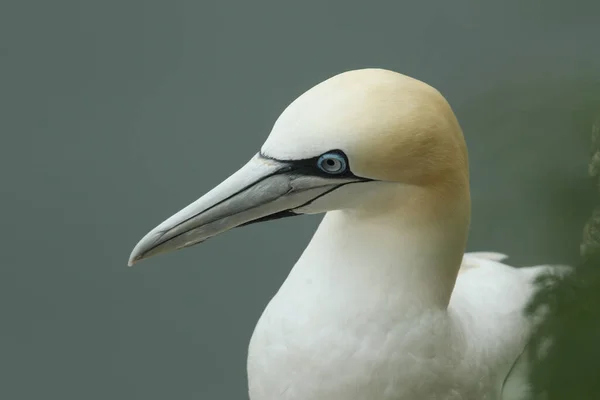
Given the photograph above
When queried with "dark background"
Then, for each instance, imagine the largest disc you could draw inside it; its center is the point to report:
(115, 114)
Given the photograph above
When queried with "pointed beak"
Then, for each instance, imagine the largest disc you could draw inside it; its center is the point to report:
(263, 189)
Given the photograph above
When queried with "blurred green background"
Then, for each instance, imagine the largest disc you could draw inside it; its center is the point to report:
(115, 114)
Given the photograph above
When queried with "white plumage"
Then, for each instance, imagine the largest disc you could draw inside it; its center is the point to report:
(383, 304)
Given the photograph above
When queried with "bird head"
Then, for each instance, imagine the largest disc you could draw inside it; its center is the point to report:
(361, 140)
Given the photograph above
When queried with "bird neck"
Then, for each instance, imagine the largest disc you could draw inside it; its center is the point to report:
(408, 259)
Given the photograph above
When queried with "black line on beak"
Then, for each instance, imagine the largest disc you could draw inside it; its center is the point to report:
(290, 213)
(283, 169)
(277, 215)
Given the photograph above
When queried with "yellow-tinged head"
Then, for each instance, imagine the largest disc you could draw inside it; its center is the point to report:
(391, 127)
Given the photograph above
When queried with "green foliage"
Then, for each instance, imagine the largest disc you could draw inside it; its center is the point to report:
(570, 367)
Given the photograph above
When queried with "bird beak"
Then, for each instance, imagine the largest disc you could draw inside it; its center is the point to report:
(263, 189)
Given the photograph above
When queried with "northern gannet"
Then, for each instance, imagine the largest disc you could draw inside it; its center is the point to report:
(383, 304)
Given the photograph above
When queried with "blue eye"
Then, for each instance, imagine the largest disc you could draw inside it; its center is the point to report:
(332, 163)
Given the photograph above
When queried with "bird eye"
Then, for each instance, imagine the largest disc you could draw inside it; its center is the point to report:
(332, 163)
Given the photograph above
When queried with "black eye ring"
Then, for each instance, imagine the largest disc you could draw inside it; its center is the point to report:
(332, 163)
